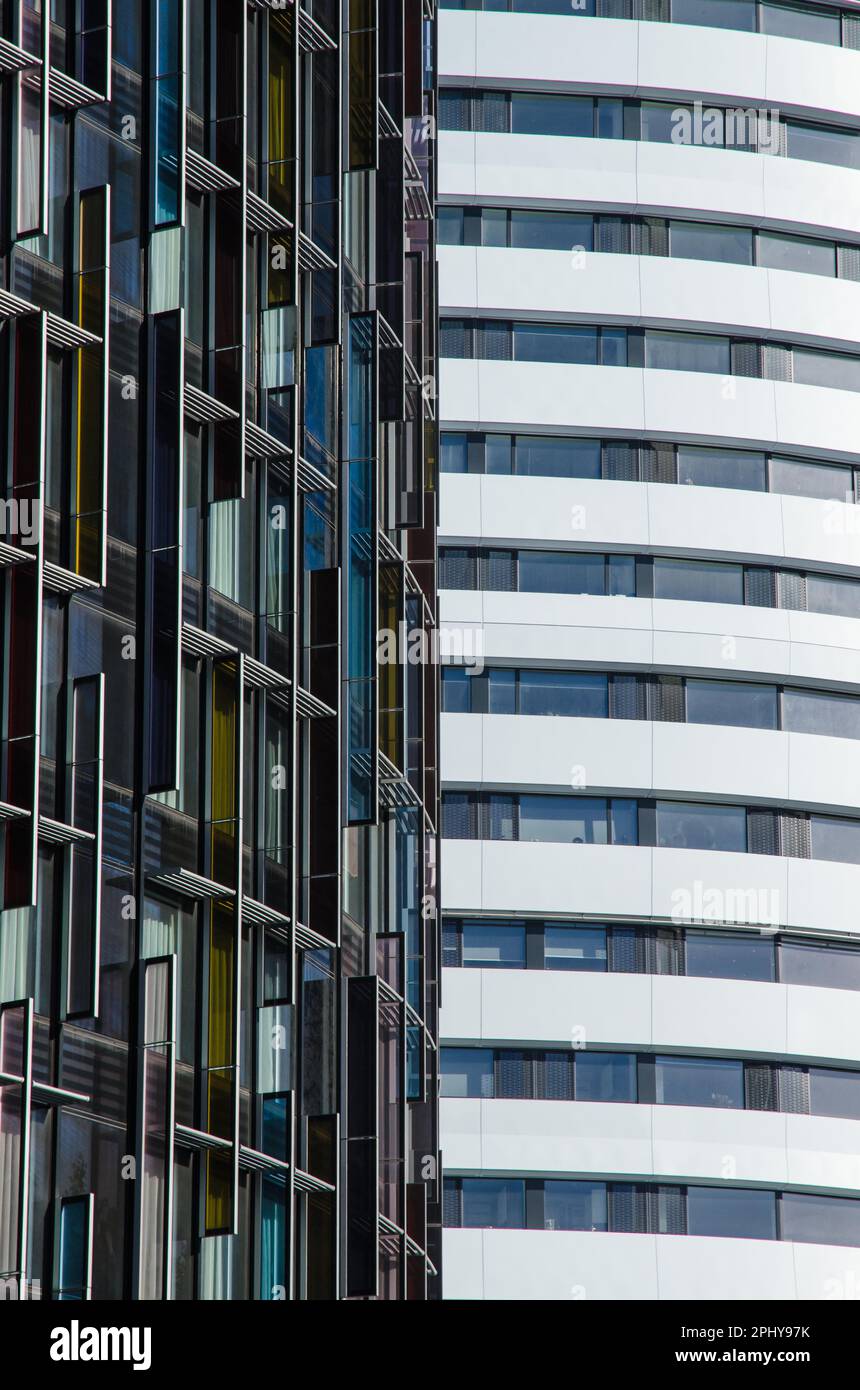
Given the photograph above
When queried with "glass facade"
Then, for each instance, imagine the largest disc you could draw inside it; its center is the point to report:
(218, 937)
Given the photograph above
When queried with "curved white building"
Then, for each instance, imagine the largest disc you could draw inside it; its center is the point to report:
(650, 546)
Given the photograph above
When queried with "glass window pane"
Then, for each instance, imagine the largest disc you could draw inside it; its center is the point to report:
(533, 114)
(550, 342)
(733, 468)
(731, 702)
(546, 457)
(800, 253)
(819, 1220)
(553, 572)
(817, 712)
(551, 231)
(574, 820)
(683, 825)
(834, 1092)
(699, 1081)
(605, 1076)
(450, 226)
(494, 227)
(564, 693)
(467, 1072)
(574, 1206)
(811, 22)
(574, 948)
(717, 14)
(501, 692)
(661, 120)
(494, 1202)
(497, 451)
(721, 1211)
(823, 144)
(456, 690)
(707, 241)
(836, 838)
(833, 369)
(687, 352)
(799, 479)
(494, 945)
(698, 580)
(717, 957)
(828, 595)
(827, 967)
(625, 821)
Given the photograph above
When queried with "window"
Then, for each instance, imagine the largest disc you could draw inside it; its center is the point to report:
(450, 226)
(698, 581)
(687, 352)
(574, 948)
(564, 693)
(706, 241)
(551, 231)
(574, 820)
(494, 1202)
(840, 597)
(501, 686)
(824, 144)
(732, 702)
(722, 1211)
(804, 254)
(817, 712)
(557, 458)
(456, 690)
(699, 1081)
(716, 14)
(660, 120)
(721, 468)
(625, 821)
(537, 114)
(799, 479)
(683, 825)
(820, 1220)
(833, 369)
(715, 956)
(574, 1206)
(494, 946)
(834, 1092)
(553, 572)
(836, 838)
(550, 342)
(494, 227)
(467, 1073)
(812, 22)
(606, 1076)
(811, 963)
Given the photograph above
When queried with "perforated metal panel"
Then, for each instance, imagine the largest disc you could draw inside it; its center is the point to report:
(494, 341)
(615, 9)
(793, 1090)
(627, 698)
(666, 699)
(620, 462)
(777, 362)
(459, 816)
(498, 571)
(455, 109)
(452, 1204)
(851, 31)
(500, 818)
(759, 587)
(612, 235)
(458, 568)
(492, 111)
(760, 1086)
(667, 1211)
(746, 359)
(556, 1076)
(452, 944)
(455, 338)
(848, 261)
(762, 834)
(512, 1073)
(628, 1208)
(659, 463)
(794, 835)
(792, 590)
(623, 955)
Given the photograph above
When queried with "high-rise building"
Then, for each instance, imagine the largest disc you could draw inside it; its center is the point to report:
(218, 960)
(650, 560)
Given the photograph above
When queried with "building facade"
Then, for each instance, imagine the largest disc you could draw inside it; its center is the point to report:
(649, 232)
(218, 958)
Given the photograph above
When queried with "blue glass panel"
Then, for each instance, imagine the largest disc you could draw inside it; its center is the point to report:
(74, 1242)
(273, 1240)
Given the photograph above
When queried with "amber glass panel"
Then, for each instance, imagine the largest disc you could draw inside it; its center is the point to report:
(224, 782)
(220, 1064)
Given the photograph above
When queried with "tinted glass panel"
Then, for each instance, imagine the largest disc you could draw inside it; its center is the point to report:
(605, 1076)
(563, 819)
(549, 572)
(721, 468)
(564, 693)
(687, 352)
(494, 946)
(838, 596)
(731, 702)
(467, 1072)
(717, 14)
(456, 690)
(800, 479)
(821, 1220)
(829, 967)
(699, 1081)
(682, 825)
(557, 458)
(814, 712)
(574, 948)
(450, 226)
(835, 837)
(551, 115)
(549, 342)
(811, 22)
(716, 1211)
(823, 144)
(833, 1092)
(501, 692)
(796, 253)
(698, 581)
(498, 1202)
(833, 369)
(719, 957)
(705, 241)
(551, 231)
(574, 1206)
